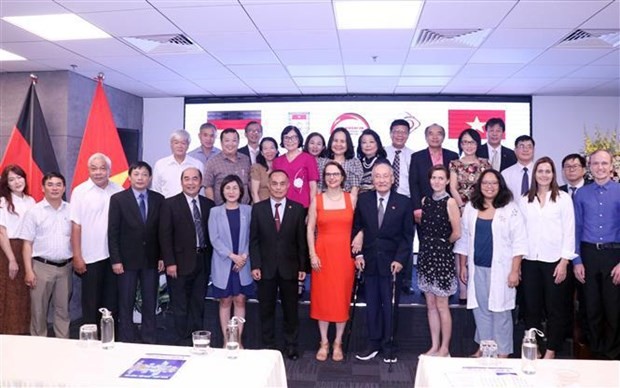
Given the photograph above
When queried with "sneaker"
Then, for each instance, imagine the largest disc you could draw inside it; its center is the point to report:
(366, 355)
(390, 359)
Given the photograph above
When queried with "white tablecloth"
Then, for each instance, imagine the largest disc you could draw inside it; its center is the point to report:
(464, 372)
(38, 361)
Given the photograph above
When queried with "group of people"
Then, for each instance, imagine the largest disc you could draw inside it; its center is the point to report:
(490, 220)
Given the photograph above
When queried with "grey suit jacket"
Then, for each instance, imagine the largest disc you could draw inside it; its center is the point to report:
(219, 232)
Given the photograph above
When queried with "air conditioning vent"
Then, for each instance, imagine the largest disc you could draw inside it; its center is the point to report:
(452, 38)
(163, 44)
(591, 38)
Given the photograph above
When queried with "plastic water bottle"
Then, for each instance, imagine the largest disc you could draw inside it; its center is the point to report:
(232, 343)
(529, 351)
(107, 328)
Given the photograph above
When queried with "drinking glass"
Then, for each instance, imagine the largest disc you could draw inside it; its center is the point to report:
(88, 335)
(202, 341)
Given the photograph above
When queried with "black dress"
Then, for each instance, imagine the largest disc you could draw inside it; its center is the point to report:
(436, 265)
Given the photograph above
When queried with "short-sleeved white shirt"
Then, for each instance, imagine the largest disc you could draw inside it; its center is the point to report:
(49, 230)
(12, 221)
(167, 174)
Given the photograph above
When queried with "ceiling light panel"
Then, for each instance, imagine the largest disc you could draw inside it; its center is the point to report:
(371, 15)
(58, 27)
(9, 56)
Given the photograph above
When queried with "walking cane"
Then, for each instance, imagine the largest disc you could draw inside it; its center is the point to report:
(393, 323)
(356, 285)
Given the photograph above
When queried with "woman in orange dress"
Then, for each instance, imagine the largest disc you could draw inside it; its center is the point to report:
(330, 219)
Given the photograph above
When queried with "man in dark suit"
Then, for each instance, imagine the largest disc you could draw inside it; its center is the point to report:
(574, 168)
(186, 250)
(133, 223)
(253, 133)
(384, 216)
(279, 255)
(499, 156)
(422, 161)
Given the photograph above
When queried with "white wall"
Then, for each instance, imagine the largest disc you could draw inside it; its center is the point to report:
(162, 116)
(559, 123)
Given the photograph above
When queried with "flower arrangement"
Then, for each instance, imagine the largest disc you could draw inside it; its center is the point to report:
(609, 141)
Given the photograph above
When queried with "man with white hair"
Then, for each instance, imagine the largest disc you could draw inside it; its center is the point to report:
(90, 203)
(167, 171)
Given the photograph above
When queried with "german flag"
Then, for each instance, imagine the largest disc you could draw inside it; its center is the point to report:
(30, 146)
(101, 135)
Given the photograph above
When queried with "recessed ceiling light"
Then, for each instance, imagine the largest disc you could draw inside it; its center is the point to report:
(374, 15)
(58, 27)
(9, 56)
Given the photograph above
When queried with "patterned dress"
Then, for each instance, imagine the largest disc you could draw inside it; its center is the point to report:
(436, 266)
(467, 175)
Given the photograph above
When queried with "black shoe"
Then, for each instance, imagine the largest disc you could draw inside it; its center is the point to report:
(291, 354)
(367, 354)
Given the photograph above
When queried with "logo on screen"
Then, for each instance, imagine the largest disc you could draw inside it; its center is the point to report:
(462, 119)
(353, 122)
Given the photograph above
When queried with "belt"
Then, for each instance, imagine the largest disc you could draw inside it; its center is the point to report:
(201, 250)
(601, 246)
(55, 263)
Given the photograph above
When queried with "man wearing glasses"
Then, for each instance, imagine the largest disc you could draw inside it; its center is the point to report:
(519, 176)
(574, 167)
(253, 132)
(499, 156)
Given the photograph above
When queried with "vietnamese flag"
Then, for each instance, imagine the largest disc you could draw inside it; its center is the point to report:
(101, 135)
(461, 119)
(30, 146)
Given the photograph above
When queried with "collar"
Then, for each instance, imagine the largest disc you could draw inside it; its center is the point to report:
(136, 193)
(45, 203)
(273, 202)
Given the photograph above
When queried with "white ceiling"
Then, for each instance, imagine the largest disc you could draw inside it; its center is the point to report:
(292, 47)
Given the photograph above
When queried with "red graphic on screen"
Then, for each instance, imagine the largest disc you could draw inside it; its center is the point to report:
(236, 119)
(353, 122)
(461, 119)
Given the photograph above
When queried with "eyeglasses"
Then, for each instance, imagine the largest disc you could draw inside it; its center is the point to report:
(332, 174)
(290, 138)
(401, 133)
(572, 166)
(254, 130)
(468, 142)
(525, 146)
(487, 183)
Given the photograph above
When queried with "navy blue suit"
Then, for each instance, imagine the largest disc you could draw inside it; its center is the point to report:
(508, 157)
(382, 245)
(419, 184)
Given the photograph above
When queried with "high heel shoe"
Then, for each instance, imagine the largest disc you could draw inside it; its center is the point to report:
(323, 351)
(337, 354)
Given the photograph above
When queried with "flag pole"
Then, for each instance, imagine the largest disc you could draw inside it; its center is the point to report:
(33, 79)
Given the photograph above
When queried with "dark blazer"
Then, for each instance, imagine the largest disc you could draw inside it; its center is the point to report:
(246, 151)
(284, 252)
(508, 157)
(177, 234)
(419, 184)
(565, 187)
(391, 242)
(132, 242)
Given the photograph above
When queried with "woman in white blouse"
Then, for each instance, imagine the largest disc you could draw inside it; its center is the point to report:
(14, 295)
(492, 244)
(550, 223)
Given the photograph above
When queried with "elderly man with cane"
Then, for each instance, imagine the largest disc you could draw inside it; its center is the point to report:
(386, 220)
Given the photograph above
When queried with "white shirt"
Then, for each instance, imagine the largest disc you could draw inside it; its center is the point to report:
(493, 151)
(386, 198)
(281, 209)
(90, 205)
(513, 176)
(253, 153)
(550, 229)
(13, 221)
(509, 240)
(167, 174)
(405, 161)
(49, 230)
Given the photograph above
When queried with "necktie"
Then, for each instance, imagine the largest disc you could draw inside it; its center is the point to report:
(381, 212)
(142, 207)
(573, 190)
(277, 217)
(396, 168)
(495, 160)
(198, 224)
(525, 182)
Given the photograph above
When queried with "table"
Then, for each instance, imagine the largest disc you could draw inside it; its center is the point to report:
(463, 372)
(41, 361)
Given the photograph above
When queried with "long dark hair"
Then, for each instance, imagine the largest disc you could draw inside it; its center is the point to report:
(349, 153)
(504, 195)
(5, 191)
(260, 159)
(307, 143)
(381, 153)
(475, 137)
(555, 189)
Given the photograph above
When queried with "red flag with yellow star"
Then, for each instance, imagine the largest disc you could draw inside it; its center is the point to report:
(101, 135)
